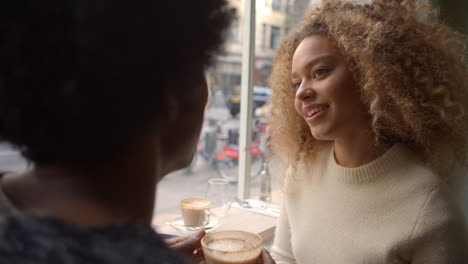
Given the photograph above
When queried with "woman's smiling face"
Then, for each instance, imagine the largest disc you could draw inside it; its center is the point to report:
(327, 96)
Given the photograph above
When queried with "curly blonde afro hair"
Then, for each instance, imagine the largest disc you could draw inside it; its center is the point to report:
(411, 72)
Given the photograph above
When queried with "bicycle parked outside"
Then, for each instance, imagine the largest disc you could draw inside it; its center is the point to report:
(221, 150)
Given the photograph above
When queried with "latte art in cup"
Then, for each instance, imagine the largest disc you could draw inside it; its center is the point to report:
(195, 211)
(229, 247)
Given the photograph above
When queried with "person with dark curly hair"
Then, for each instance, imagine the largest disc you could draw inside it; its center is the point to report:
(104, 98)
(369, 119)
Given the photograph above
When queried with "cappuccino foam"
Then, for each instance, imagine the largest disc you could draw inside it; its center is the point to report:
(232, 247)
(197, 204)
(230, 244)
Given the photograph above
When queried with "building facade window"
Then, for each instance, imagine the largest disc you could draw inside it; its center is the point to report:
(276, 5)
(275, 37)
(233, 34)
(264, 36)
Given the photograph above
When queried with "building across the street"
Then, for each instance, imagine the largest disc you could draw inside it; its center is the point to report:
(271, 25)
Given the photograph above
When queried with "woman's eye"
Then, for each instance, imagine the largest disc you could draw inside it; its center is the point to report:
(295, 85)
(320, 72)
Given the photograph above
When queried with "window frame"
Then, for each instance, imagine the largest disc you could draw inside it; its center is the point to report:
(245, 137)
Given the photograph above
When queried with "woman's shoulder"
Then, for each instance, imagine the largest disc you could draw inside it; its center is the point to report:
(26, 239)
(424, 187)
(441, 222)
(413, 171)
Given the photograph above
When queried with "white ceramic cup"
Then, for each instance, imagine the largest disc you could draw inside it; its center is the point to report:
(195, 211)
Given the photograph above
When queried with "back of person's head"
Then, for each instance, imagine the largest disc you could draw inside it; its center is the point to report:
(80, 80)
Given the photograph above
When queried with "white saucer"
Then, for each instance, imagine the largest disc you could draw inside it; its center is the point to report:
(178, 224)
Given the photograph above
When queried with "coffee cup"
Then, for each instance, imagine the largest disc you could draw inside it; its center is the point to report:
(229, 247)
(195, 211)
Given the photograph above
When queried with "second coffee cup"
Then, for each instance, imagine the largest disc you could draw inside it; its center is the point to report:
(232, 247)
(195, 211)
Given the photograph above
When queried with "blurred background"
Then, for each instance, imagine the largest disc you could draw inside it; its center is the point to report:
(218, 152)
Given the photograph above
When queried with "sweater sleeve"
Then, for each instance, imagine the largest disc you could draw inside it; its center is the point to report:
(440, 235)
(282, 250)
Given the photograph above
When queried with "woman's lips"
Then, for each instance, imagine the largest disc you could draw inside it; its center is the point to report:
(313, 110)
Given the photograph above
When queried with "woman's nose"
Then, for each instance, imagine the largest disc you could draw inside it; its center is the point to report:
(305, 93)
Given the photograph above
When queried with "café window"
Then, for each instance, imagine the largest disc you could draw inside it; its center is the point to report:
(218, 151)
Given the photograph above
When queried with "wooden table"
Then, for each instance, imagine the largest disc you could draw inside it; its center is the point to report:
(236, 219)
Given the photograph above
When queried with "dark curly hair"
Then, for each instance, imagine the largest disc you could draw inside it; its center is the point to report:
(80, 80)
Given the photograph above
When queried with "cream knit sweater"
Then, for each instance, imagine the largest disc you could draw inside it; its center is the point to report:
(392, 210)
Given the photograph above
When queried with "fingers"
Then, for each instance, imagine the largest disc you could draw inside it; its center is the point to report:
(188, 245)
(175, 240)
(266, 258)
(198, 255)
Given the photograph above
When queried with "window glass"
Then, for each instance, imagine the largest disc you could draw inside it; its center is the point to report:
(218, 148)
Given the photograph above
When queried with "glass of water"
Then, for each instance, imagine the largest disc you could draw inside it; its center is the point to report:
(217, 193)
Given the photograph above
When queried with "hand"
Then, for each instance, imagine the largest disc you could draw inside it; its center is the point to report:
(265, 258)
(189, 246)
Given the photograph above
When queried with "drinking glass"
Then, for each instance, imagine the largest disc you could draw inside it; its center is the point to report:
(217, 194)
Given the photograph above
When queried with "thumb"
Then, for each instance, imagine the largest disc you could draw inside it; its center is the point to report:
(266, 258)
(190, 242)
(176, 240)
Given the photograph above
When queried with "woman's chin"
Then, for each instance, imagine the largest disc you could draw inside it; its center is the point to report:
(318, 135)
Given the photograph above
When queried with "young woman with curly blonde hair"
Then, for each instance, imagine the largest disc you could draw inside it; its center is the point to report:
(370, 118)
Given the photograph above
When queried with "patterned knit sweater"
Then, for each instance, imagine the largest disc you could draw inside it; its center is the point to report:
(392, 210)
(26, 239)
